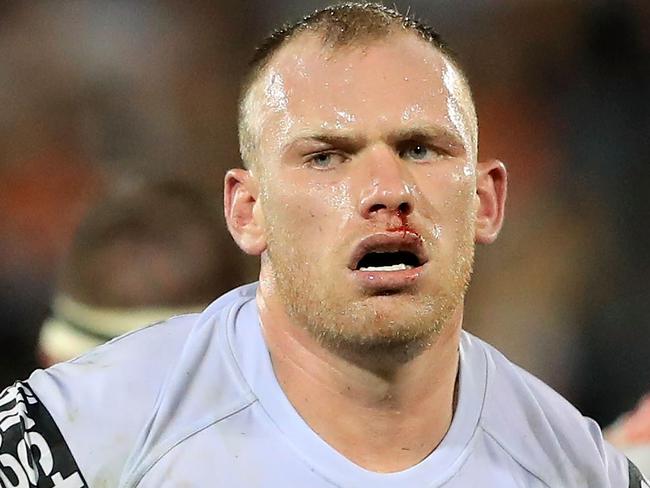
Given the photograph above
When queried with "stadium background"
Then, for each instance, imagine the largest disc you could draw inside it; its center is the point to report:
(95, 93)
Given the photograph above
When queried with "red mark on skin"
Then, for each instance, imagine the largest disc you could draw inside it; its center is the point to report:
(404, 228)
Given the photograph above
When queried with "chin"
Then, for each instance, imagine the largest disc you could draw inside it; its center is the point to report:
(376, 345)
(378, 321)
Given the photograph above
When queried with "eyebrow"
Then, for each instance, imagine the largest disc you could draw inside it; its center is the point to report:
(350, 139)
(338, 138)
(427, 133)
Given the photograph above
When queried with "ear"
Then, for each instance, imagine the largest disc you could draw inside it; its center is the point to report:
(491, 189)
(243, 213)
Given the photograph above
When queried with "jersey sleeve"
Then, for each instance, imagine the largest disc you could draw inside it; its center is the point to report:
(33, 453)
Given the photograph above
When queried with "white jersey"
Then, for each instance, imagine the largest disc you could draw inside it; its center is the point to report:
(193, 402)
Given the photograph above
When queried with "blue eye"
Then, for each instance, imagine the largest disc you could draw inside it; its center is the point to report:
(417, 152)
(322, 159)
(325, 160)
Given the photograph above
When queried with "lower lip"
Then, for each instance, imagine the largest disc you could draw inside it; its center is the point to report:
(387, 280)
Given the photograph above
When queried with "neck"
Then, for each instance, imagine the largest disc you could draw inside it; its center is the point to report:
(384, 415)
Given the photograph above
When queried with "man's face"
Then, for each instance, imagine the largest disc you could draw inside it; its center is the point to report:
(366, 161)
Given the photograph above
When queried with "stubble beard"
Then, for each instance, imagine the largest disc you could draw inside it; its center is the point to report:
(357, 326)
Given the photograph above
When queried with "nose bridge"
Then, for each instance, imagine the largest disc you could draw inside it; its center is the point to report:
(387, 182)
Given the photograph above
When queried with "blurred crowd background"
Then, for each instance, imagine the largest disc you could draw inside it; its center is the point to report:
(100, 95)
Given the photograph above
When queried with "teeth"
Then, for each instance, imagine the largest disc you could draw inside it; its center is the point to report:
(393, 267)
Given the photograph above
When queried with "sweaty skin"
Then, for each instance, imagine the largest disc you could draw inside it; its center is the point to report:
(373, 143)
(362, 169)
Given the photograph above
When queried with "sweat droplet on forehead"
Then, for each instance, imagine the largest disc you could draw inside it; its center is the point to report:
(275, 93)
(344, 119)
(412, 111)
(274, 116)
(344, 116)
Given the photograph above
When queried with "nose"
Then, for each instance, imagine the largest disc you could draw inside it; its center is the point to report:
(386, 186)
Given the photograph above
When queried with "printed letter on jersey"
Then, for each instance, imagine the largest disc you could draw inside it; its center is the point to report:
(32, 451)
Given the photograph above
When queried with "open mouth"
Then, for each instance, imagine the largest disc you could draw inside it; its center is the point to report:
(389, 252)
(388, 261)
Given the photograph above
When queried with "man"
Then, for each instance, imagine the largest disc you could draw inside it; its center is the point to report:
(346, 365)
(165, 239)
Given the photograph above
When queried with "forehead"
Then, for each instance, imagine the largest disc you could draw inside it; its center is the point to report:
(393, 58)
(400, 79)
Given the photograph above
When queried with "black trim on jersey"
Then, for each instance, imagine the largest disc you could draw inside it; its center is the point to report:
(637, 480)
(32, 449)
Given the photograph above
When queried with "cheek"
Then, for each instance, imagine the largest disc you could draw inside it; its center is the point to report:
(314, 209)
(447, 192)
(335, 200)
(461, 201)
(448, 205)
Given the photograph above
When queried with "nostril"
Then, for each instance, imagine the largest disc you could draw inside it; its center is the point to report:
(376, 208)
(404, 208)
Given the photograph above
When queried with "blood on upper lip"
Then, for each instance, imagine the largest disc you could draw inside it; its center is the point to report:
(404, 227)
